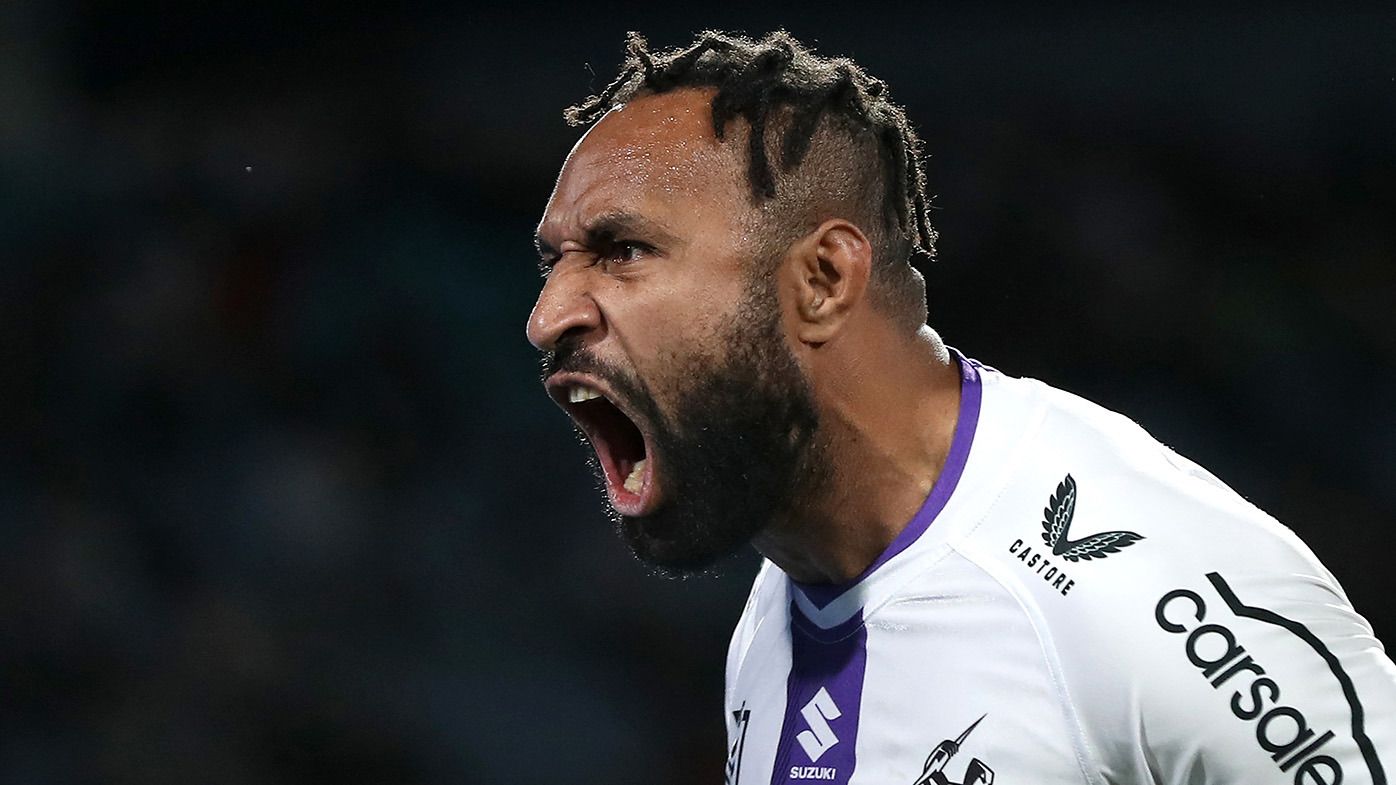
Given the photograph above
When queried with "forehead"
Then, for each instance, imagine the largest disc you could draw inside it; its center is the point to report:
(657, 153)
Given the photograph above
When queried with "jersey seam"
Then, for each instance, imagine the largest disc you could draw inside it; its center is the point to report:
(1085, 759)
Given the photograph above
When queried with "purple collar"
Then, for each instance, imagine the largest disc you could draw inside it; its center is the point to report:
(821, 594)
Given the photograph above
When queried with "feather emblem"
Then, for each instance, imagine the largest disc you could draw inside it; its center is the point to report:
(1056, 524)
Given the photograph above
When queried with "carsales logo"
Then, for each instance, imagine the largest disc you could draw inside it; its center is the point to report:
(1221, 658)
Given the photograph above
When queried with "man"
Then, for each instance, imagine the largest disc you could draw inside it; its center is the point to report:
(968, 577)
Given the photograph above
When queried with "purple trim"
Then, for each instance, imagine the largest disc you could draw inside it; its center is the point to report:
(821, 594)
(823, 699)
(834, 634)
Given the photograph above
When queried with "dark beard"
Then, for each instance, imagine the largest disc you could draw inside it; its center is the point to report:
(739, 451)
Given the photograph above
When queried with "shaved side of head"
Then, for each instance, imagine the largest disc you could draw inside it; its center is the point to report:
(821, 139)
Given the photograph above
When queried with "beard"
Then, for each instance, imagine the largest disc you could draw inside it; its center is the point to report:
(740, 446)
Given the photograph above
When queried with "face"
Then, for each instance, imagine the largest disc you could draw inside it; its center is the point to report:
(662, 336)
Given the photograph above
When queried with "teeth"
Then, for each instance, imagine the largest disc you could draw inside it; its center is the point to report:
(636, 481)
(579, 394)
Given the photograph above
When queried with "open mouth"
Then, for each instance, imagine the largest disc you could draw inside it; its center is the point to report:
(621, 446)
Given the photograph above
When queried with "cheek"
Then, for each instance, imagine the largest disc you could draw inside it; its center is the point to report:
(671, 342)
(677, 314)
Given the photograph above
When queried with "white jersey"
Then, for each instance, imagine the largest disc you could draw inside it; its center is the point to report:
(1074, 603)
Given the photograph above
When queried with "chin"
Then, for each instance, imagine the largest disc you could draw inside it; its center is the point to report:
(677, 545)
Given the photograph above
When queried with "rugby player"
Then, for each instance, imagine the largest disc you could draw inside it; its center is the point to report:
(967, 576)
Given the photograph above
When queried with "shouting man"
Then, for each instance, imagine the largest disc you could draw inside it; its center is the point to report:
(967, 575)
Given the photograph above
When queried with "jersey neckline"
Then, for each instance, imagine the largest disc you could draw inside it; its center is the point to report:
(820, 595)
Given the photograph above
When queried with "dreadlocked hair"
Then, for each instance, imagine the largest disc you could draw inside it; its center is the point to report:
(786, 92)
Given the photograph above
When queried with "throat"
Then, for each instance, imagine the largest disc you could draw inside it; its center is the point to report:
(887, 456)
(823, 550)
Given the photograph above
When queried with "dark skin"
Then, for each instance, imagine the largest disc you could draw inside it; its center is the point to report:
(647, 235)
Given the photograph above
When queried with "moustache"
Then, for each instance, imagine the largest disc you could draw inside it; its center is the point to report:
(573, 358)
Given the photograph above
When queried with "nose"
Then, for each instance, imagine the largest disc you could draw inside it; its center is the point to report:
(564, 306)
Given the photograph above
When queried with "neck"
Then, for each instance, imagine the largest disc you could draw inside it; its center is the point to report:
(888, 408)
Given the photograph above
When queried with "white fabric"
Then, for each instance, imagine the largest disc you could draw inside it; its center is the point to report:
(1079, 680)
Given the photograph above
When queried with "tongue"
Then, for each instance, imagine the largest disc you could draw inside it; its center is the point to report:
(636, 481)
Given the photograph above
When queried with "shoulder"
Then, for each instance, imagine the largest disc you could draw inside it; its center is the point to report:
(1095, 489)
(1176, 615)
(1093, 496)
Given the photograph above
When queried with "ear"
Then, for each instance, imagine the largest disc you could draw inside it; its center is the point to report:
(829, 270)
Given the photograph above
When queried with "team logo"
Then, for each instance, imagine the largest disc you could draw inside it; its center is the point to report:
(741, 719)
(1056, 523)
(934, 771)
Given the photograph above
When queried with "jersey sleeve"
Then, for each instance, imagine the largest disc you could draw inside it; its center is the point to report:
(1246, 681)
(1237, 659)
(1192, 639)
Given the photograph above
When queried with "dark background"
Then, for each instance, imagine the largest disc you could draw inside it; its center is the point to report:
(282, 500)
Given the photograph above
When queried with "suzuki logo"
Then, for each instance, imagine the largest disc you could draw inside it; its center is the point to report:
(820, 738)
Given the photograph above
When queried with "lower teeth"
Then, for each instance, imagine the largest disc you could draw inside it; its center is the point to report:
(636, 480)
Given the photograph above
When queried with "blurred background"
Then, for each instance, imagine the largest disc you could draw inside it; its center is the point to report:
(282, 501)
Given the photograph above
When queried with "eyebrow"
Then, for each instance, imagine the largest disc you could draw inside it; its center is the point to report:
(607, 227)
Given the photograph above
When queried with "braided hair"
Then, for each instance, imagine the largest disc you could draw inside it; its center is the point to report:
(798, 99)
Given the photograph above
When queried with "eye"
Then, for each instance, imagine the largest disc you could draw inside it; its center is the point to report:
(626, 251)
